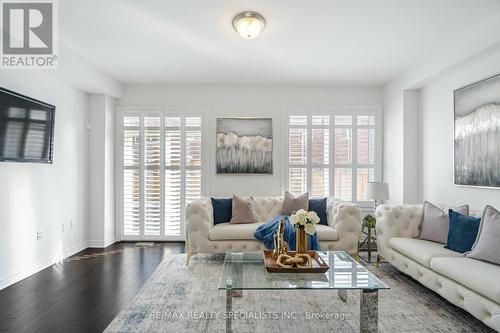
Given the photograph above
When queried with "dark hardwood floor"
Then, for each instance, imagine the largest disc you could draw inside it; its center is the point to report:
(82, 294)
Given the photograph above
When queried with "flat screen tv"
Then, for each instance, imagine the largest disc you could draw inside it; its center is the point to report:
(26, 128)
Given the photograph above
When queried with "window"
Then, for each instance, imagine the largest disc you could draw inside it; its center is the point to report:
(332, 153)
(161, 173)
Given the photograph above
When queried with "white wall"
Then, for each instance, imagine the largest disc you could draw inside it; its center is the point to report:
(393, 142)
(402, 166)
(109, 171)
(45, 196)
(437, 133)
(83, 75)
(249, 101)
(412, 148)
(101, 226)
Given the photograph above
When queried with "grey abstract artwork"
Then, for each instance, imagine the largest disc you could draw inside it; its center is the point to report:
(477, 134)
(245, 145)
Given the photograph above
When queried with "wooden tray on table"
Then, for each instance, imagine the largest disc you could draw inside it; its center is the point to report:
(318, 264)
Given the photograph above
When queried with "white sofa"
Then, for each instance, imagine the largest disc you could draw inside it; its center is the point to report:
(202, 236)
(470, 284)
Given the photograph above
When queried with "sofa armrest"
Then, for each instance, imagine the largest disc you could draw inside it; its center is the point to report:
(396, 221)
(199, 221)
(345, 218)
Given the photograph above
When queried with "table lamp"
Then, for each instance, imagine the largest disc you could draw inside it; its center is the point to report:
(377, 192)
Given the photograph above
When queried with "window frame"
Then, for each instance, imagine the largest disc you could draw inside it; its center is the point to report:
(162, 111)
(341, 110)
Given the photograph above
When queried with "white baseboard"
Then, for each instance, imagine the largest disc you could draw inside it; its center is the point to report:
(109, 241)
(100, 243)
(25, 272)
(75, 249)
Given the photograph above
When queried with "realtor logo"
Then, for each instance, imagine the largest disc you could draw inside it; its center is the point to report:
(28, 34)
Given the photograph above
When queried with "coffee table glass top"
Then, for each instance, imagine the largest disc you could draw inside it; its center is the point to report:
(245, 270)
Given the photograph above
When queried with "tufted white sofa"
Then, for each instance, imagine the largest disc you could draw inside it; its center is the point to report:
(468, 283)
(202, 236)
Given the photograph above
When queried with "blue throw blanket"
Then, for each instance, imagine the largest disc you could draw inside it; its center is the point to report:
(265, 233)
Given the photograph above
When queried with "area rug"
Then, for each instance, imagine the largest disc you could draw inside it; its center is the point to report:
(185, 299)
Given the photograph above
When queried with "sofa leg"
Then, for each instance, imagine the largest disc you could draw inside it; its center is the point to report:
(357, 257)
(188, 257)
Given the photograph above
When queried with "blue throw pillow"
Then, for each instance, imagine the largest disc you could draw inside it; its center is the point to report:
(462, 232)
(319, 206)
(223, 210)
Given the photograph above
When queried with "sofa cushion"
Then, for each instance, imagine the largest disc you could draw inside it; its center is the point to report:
(292, 203)
(487, 245)
(479, 276)
(243, 210)
(227, 231)
(246, 231)
(421, 251)
(318, 205)
(435, 222)
(326, 233)
(223, 209)
(463, 231)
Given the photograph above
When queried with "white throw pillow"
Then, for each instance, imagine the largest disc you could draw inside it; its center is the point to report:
(487, 245)
(435, 222)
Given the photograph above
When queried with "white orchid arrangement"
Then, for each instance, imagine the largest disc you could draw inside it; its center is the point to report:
(305, 220)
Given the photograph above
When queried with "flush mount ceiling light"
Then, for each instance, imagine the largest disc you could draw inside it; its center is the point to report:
(249, 24)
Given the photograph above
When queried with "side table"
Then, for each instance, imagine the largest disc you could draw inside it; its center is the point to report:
(368, 243)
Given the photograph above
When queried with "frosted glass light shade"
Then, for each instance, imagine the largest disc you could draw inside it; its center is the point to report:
(376, 191)
(249, 24)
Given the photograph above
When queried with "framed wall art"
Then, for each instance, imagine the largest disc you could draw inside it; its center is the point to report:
(244, 146)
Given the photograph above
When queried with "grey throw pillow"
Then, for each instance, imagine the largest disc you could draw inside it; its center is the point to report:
(435, 222)
(243, 210)
(292, 203)
(487, 245)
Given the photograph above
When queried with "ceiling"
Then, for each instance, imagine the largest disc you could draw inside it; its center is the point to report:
(305, 41)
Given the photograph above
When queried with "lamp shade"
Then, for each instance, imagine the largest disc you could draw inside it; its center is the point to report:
(376, 191)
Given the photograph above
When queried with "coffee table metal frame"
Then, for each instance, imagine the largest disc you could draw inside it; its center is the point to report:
(246, 271)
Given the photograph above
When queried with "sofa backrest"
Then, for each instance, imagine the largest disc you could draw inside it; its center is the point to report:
(267, 207)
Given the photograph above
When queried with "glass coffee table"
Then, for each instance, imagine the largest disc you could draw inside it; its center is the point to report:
(246, 271)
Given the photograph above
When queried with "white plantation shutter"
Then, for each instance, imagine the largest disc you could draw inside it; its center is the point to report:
(332, 154)
(131, 176)
(365, 149)
(172, 202)
(173, 180)
(162, 173)
(320, 156)
(297, 154)
(193, 158)
(152, 181)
